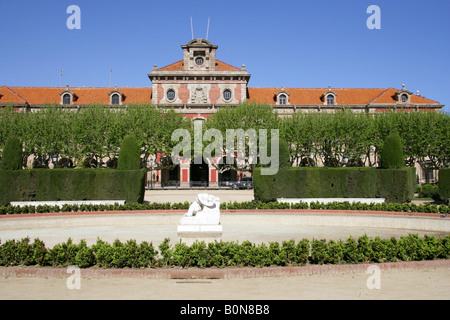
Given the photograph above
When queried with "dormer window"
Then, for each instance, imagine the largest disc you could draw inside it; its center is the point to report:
(330, 99)
(403, 96)
(116, 97)
(282, 97)
(67, 96)
(66, 99)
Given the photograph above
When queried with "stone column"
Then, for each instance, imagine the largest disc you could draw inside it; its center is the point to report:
(213, 177)
(185, 175)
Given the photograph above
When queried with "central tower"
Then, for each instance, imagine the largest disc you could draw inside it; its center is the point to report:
(199, 55)
(199, 83)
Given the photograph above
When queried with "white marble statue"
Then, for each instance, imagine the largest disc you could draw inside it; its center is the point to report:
(205, 210)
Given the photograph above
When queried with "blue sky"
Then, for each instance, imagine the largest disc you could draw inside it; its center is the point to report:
(292, 43)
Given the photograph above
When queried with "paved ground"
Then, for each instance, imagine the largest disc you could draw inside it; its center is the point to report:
(174, 196)
(416, 284)
(426, 282)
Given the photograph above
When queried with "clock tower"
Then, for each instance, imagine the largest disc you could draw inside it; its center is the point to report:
(199, 83)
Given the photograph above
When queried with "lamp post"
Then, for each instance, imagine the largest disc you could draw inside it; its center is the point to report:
(54, 159)
(152, 166)
(345, 160)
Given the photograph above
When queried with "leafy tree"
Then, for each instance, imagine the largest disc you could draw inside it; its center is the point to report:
(249, 118)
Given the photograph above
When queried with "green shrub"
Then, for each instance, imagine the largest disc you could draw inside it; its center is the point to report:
(8, 251)
(319, 251)
(166, 252)
(63, 254)
(444, 184)
(396, 185)
(40, 252)
(129, 154)
(397, 207)
(147, 255)
(69, 184)
(351, 254)
(84, 258)
(224, 254)
(103, 253)
(336, 250)
(284, 159)
(429, 191)
(12, 157)
(391, 154)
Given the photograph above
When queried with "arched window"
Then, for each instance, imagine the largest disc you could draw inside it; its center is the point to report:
(66, 98)
(227, 95)
(115, 99)
(170, 95)
(282, 99)
(330, 99)
(404, 97)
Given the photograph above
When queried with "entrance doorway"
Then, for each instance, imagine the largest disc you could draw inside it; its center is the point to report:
(199, 176)
(170, 177)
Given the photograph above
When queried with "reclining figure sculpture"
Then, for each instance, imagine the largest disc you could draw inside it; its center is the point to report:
(205, 210)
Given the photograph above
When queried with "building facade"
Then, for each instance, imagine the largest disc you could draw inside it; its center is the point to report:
(199, 84)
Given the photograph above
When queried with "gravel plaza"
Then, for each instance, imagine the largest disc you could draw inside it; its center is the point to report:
(399, 280)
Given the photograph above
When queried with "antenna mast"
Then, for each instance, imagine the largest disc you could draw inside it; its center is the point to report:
(207, 29)
(192, 30)
(60, 76)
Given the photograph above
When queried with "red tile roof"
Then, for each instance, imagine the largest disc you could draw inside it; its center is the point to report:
(7, 95)
(179, 65)
(345, 96)
(51, 95)
(388, 96)
(297, 96)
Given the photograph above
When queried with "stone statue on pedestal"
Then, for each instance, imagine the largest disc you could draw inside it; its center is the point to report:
(202, 218)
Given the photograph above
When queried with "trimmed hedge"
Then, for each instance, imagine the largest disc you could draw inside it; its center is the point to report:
(396, 185)
(12, 155)
(444, 184)
(391, 154)
(224, 254)
(71, 184)
(357, 206)
(129, 154)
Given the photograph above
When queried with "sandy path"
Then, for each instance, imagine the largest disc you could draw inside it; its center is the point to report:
(423, 284)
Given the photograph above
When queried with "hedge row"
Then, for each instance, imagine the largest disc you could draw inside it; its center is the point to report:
(224, 254)
(71, 184)
(256, 205)
(395, 185)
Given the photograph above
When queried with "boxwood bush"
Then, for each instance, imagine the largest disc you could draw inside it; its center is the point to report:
(12, 154)
(246, 205)
(444, 184)
(396, 185)
(71, 184)
(131, 254)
